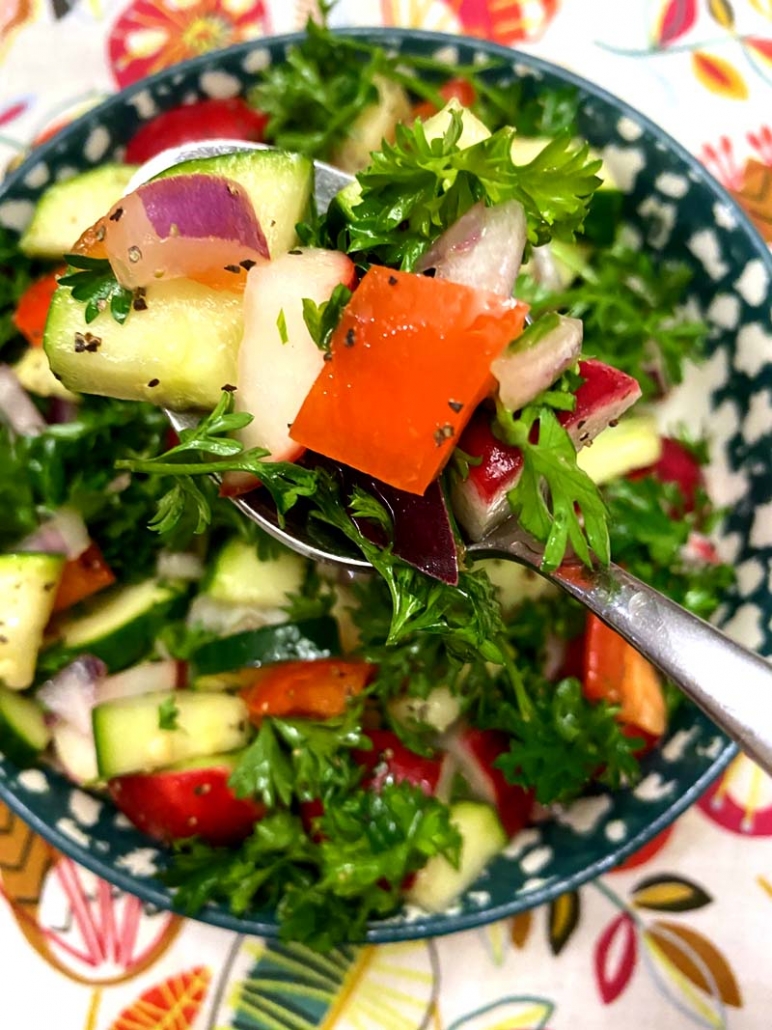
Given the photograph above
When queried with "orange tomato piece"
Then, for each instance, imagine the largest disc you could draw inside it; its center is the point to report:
(318, 689)
(455, 89)
(615, 672)
(31, 314)
(410, 361)
(83, 576)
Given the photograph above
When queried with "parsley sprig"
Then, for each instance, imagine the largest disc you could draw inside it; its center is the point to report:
(415, 188)
(94, 282)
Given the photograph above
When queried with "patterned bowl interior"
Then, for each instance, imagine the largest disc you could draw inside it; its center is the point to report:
(676, 208)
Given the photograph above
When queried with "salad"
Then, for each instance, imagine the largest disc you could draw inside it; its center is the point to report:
(435, 352)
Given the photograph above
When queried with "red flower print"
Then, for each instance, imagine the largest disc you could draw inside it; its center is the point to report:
(522, 21)
(741, 800)
(721, 161)
(153, 34)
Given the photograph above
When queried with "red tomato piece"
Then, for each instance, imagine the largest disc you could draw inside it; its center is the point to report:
(410, 362)
(31, 314)
(477, 751)
(174, 804)
(390, 761)
(83, 576)
(207, 119)
(615, 672)
(676, 465)
(318, 689)
(455, 89)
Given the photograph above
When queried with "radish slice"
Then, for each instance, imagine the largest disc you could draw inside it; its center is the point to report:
(147, 678)
(16, 408)
(188, 226)
(71, 694)
(75, 752)
(536, 359)
(483, 249)
(65, 533)
(179, 565)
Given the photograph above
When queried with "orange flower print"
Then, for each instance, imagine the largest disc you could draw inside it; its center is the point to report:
(14, 15)
(152, 34)
(506, 21)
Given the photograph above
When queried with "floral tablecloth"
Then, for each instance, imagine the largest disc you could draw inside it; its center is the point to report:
(679, 937)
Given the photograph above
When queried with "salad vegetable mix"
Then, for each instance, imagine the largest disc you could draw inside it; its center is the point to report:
(435, 352)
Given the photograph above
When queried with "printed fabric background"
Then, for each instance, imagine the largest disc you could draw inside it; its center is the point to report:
(681, 936)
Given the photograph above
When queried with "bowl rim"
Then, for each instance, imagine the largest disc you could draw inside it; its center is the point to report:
(396, 928)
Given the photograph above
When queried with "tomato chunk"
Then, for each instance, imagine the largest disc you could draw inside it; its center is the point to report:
(317, 689)
(208, 119)
(410, 361)
(390, 761)
(83, 576)
(615, 672)
(454, 89)
(30, 316)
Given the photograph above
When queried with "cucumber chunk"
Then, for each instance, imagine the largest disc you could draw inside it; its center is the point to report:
(68, 208)
(438, 884)
(28, 585)
(129, 737)
(376, 123)
(633, 444)
(179, 352)
(278, 184)
(119, 627)
(34, 373)
(240, 576)
(288, 641)
(23, 731)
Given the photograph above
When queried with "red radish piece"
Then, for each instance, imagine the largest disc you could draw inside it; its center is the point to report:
(480, 501)
(483, 249)
(390, 761)
(676, 465)
(230, 118)
(532, 363)
(199, 227)
(275, 377)
(177, 803)
(475, 751)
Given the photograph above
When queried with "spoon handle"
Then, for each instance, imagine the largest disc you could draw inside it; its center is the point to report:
(731, 684)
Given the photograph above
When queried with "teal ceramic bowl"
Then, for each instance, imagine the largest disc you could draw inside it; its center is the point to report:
(674, 207)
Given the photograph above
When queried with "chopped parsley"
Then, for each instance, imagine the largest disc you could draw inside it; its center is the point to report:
(94, 283)
(168, 714)
(322, 319)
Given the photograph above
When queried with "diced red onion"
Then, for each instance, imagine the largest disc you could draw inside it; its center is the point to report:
(179, 565)
(147, 678)
(71, 693)
(16, 408)
(543, 269)
(60, 411)
(64, 533)
(75, 752)
(524, 373)
(483, 249)
(185, 226)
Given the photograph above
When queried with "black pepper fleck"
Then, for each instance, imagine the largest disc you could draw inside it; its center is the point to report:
(351, 337)
(153, 383)
(328, 355)
(393, 280)
(584, 438)
(101, 233)
(140, 304)
(116, 215)
(443, 433)
(48, 587)
(233, 268)
(3, 640)
(135, 255)
(247, 263)
(295, 251)
(614, 422)
(581, 423)
(87, 342)
(229, 388)
(455, 405)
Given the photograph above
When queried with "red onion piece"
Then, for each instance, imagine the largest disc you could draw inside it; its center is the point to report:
(75, 752)
(61, 412)
(146, 678)
(179, 565)
(483, 249)
(71, 693)
(186, 226)
(65, 533)
(16, 408)
(524, 372)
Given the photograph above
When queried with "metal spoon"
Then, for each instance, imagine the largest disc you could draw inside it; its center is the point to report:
(731, 684)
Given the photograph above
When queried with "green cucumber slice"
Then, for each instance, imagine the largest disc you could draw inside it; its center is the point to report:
(289, 641)
(28, 583)
(129, 737)
(239, 576)
(23, 731)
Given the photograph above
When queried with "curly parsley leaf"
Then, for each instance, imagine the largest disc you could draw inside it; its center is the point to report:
(322, 319)
(415, 188)
(168, 714)
(554, 500)
(94, 283)
(629, 305)
(564, 742)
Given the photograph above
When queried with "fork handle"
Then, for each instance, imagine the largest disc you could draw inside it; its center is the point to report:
(731, 684)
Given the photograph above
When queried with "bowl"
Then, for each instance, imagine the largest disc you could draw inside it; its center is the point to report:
(675, 207)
